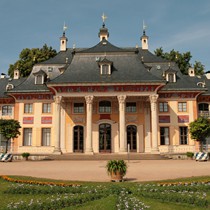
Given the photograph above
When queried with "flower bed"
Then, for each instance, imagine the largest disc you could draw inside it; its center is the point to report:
(9, 179)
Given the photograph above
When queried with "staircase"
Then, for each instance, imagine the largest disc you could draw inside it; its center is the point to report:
(107, 156)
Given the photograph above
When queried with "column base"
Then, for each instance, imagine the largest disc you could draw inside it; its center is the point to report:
(155, 151)
(57, 151)
(123, 151)
(89, 152)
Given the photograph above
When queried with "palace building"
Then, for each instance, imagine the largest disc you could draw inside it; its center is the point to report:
(104, 99)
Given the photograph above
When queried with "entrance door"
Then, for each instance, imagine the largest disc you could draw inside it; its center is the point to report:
(131, 137)
(105, 137)
(78, 139)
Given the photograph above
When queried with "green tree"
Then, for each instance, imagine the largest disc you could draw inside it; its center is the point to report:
(29, 57)
(9, 130)
(182, 60)
(200, 130)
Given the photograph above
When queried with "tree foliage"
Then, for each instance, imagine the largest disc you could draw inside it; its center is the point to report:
(200, 129)
(29, 57)
(182, 60)
(9, 129)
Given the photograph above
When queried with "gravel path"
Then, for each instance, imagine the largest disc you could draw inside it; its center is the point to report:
(139, 170)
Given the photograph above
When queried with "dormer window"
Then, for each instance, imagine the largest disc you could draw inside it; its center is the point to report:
(170, 75)
(9, 87)
(201, 84)
(39, 80)
(105, 66)
(40, 77)
(105, 69)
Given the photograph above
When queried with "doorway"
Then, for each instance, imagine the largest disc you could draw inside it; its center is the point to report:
(78, 139)
(131, 137)
(105, 137)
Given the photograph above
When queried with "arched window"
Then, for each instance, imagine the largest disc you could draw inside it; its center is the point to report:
(104, 106)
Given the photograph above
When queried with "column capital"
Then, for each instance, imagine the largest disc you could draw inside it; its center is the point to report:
(89, 99)
(57, 99)
(121, 98)
(153, 98)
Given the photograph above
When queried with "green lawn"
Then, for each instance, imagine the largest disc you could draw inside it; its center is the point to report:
(186, 194)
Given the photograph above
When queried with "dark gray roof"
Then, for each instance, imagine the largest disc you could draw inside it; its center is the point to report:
(125, 68)
(5, 81)
(29, 86)
(103, 46)
(60, 58)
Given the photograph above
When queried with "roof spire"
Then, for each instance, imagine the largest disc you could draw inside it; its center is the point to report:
(103, 33)
(64, 28)
(144, 38)
(144, 28)
(63, 39)
(104, 17)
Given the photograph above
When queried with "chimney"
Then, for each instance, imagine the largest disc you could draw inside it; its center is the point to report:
(3, 75)
(191, 72)
(16, 74)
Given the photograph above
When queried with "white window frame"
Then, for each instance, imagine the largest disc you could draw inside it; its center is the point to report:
(27, 136)
(79, 109)
(130, 107)
(7, 110)
(182, 106)
(46, 108)
(28, 108)
(46, 136)
(183, 138)
(165, 135)
(163, 106)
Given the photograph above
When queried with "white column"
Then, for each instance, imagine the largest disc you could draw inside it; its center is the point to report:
(63, 130)
(154, 119)
(123, 145)
(57, 123)
(89, 110)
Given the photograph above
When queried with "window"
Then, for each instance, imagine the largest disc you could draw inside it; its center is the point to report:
(6, 110)
(46, 136)
(27, 137)
(170, 77)
(39, 79)
(104, 106)
(203, 107)
(164, 136)
(28, 108)
(163, 107)
(131, 107)
(183, 135)
(46, 108)
(105, 69)
(78, 107)
(182, 106)
(9, 87)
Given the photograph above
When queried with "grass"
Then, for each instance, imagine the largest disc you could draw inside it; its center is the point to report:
(111, 194)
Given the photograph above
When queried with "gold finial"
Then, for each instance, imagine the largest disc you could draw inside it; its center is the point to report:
(104, 17)
(64, 27)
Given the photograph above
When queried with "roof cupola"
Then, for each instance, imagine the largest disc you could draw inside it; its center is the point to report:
(144, 38)
(63, 40)
(103, 33)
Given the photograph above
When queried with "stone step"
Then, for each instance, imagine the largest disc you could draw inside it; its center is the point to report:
(136, 156)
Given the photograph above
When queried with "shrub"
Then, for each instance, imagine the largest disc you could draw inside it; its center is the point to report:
(190, 154)
(25, 155)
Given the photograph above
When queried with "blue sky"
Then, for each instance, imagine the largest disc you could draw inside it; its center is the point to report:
(183, 25)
